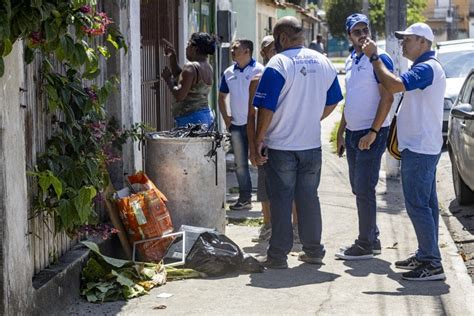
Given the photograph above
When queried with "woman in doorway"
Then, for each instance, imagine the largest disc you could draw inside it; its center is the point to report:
(194, 80)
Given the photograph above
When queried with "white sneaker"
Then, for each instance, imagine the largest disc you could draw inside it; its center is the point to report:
(264, 233)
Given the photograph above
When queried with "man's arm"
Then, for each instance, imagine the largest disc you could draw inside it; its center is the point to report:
(251, 120)
(340, 143)
(223, 108)
(392, 83)
(264, 118)
(386, 100)
(328, 110)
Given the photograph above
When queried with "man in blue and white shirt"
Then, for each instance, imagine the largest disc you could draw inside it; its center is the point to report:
(298, 89)
(236, 81)
(419, 133)
(365, 125)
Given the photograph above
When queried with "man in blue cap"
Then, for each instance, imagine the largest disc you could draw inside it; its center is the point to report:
(419, 134)
(363, 134)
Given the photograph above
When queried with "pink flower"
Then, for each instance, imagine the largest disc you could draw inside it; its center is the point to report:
(36, 38)
(86, 9)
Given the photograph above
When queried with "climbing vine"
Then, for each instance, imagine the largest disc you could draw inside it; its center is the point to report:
(72, 173)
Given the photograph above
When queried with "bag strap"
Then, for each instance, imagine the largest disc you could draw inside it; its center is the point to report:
(399, 103)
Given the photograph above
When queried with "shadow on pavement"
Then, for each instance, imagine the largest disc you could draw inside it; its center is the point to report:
(423, 288)
(362, 268)
(303, 274)
(464, 214)
(393, 196)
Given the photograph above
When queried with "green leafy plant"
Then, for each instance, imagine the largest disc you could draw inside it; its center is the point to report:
(72, 173)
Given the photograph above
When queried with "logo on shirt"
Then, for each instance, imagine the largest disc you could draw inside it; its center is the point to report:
(359, 68)
(303, 71)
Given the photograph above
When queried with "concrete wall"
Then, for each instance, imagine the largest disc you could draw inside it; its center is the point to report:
(125, 104)
(15, 275)
(246, 15)
(264, 13)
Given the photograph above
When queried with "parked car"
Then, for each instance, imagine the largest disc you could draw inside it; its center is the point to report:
(457, 59)
(461, 142)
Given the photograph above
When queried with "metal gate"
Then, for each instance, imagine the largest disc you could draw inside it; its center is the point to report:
(158, 19)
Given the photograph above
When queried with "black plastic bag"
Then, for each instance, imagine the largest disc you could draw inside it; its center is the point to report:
(215, 254)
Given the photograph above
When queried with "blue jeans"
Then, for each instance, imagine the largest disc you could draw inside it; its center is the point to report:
(419, 188)
(240, 145)
(364, 167)
(294, 176)
(203, 116)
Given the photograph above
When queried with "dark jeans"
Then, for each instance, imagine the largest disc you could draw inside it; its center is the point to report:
(419, 188)
(294, 176)
(364, 167)
(240, 145)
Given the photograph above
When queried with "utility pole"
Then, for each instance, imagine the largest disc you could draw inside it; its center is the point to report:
(395, 20)
(365, 7)
(449, 22)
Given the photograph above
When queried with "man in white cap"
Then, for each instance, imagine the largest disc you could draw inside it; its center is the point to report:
(419, 125)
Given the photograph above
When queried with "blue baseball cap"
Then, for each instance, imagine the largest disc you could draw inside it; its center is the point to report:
(353, 19)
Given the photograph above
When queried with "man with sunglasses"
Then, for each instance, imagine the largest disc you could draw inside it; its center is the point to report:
(419, 133)
(298, 89)
(363, 134)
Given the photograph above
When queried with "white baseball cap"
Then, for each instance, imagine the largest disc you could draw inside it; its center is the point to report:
(267, 40)
(420, 29)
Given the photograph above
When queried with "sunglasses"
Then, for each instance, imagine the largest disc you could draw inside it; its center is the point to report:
(359, 32)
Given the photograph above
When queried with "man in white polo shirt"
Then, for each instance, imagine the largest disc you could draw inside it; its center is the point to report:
(298, 89)
(235, 81)
(419, 125)
(365, 125)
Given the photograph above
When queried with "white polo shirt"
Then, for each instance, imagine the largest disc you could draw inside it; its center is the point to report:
(236, 81)
(296, 85)
(420, 117)
(362, 91)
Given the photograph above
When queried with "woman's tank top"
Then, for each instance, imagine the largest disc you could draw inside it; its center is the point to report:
(196, 99)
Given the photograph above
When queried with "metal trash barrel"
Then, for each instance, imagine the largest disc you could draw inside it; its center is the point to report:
(193, 182)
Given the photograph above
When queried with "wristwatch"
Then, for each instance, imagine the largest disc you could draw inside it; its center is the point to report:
(374, 57)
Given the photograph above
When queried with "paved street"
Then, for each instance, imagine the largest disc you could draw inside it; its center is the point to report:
(337, 287)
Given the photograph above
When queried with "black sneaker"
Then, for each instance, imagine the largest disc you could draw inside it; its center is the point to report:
(408, 264)
(246, 205)
(302, 256)
(425, 272)
(271, 263)
(355, 252)
(376, 250)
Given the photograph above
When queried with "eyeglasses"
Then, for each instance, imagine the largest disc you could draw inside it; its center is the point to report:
(359, 32)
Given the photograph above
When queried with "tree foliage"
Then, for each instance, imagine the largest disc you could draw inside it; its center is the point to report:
(336, 13)
(338, 10)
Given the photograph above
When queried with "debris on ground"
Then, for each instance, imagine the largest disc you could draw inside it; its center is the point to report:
(109, 279)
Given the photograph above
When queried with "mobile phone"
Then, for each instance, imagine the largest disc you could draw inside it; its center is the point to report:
(264, 151)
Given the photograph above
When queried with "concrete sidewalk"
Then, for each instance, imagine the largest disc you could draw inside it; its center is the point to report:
(338, 287)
